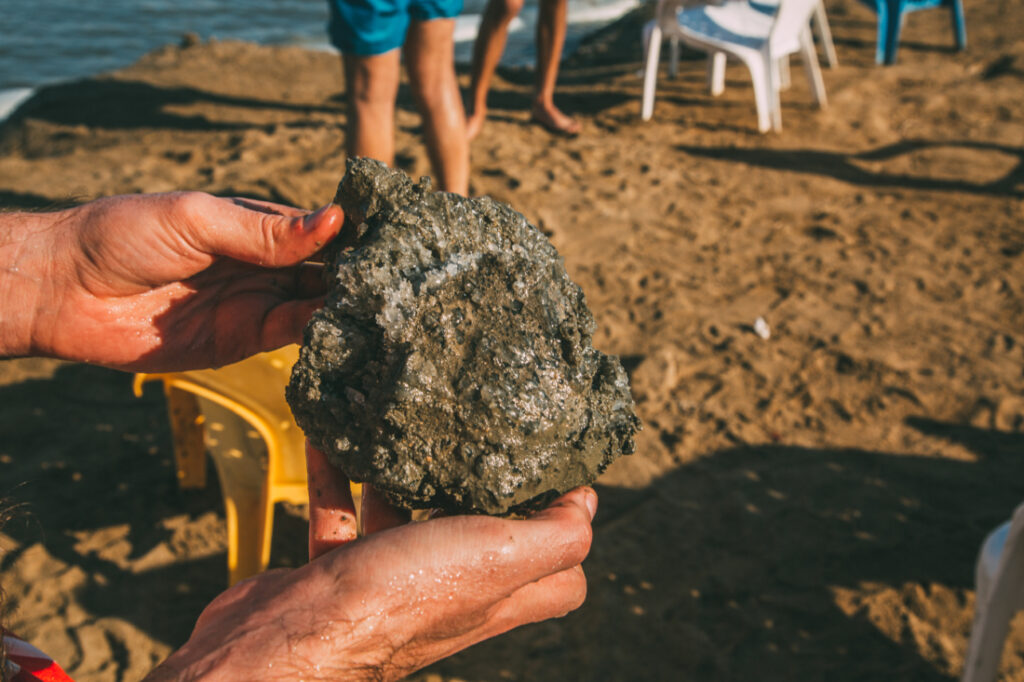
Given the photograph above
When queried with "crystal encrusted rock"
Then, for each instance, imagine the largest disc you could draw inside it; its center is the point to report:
(452, 366)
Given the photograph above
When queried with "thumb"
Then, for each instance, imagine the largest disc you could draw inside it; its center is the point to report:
(221, 227)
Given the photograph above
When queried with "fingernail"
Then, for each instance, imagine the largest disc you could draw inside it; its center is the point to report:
(590, 499)
(310, 222)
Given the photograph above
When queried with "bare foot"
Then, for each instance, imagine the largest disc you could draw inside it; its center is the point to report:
(475, 122)
(554, 121)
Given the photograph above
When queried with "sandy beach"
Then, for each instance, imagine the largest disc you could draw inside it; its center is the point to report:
(803, 507)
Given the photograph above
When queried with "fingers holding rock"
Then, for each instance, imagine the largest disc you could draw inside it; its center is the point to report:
(377, 514)
(332, 513)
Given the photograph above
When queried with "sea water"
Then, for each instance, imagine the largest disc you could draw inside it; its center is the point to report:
(45, 41)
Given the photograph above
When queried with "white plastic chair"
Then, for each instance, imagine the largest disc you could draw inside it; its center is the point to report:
(740, 30)
(999, 594)
(819, 24)
(239, 415)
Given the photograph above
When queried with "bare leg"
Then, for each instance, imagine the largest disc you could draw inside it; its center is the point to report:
(430, 61)
(371, 85)
(551, 25)
(487, 51)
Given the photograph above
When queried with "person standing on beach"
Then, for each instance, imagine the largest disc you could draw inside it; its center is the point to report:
(370, 35)
(487, 51)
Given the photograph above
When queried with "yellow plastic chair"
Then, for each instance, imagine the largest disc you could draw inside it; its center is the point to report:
(239, 414)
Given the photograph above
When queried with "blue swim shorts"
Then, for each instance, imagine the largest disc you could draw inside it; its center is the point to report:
(370, 27)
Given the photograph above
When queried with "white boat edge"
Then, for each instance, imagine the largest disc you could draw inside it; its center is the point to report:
(11, 99)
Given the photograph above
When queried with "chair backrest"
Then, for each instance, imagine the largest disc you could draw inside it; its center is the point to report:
(240, 416)
(666, 10)
(792, 17)
(254, 390)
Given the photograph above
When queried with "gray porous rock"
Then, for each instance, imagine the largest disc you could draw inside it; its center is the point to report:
(452, 365)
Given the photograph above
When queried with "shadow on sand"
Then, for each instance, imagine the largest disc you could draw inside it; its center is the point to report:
(109, 103)
(725, 568)
(84, 454)
(842, 166)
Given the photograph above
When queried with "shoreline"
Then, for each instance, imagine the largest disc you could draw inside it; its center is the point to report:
(583, 21)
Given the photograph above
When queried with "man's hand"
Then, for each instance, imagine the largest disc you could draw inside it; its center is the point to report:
(382, 606)
(160, 282)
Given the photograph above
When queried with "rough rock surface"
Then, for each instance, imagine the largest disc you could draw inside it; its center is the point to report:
(452, 365)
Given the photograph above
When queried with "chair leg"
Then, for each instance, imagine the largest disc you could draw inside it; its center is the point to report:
(959, 27)
(250, 521)
(810, 59)
(187, 431)
(881, 46)
(240, 463)
(782, 68)
(992, 618)
(645, 40)
(986, 566)
(893, 26)
(673, 57)
(772, 67)
(760, 74)
(716, 73)
(825, 35)
(650, 73)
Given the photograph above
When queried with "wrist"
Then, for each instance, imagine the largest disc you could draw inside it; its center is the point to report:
(26, 278)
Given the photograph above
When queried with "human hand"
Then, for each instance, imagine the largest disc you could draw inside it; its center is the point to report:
(160, 282)
(332, 512)
(393, 601)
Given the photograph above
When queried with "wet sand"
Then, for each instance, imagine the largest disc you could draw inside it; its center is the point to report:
(807, 506)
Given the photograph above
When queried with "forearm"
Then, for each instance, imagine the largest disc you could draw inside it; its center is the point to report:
(26, 268)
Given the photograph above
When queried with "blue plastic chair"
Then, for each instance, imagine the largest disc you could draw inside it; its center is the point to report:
(890, 21)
